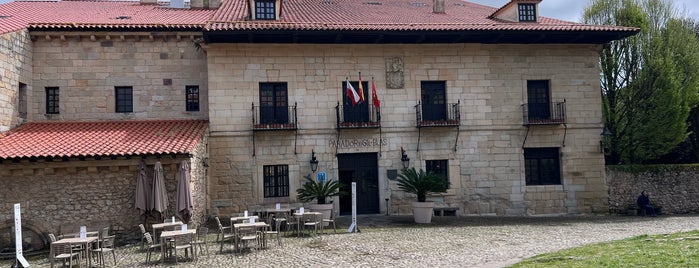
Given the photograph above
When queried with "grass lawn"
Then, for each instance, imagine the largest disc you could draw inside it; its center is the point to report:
(669, 250)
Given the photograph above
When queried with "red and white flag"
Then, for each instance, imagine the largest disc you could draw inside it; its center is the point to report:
(374, 96)
(352, 94)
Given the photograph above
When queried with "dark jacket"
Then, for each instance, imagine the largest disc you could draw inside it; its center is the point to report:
(643, 201)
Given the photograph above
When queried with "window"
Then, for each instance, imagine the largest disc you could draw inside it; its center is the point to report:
(359, 112)
(124, 99)
(52, 100)
(274, 104)
(434, 100)
(538, 100)
(276, 180)
(542, 166)
(439, 167)
(192, 98)
(527, 12)
(265, 10)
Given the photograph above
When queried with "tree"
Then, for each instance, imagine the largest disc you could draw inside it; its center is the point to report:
(649, 81)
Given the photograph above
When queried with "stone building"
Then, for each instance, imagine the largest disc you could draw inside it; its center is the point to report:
(501, 101)
(86, 98)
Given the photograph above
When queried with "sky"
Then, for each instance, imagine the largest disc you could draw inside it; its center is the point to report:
(571, 10)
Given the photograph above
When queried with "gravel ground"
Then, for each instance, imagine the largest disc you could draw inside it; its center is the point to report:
(394, 241)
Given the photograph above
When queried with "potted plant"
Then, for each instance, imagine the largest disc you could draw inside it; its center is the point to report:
(421, 183)
(320, 191)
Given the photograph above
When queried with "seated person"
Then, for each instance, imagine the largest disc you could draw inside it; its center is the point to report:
(643, 202)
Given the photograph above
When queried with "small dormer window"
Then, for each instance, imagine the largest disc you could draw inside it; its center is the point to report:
(527, 12)
(265, 9)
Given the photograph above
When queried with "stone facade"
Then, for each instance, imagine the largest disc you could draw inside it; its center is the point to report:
(61, 195)
(87, 67)
(485, 155)
(674, 188)
(15, 76)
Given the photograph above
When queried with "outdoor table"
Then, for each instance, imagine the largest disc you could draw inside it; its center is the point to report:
(174, 234)
(86, 244)
(278, 213)
(260, 226)
(164, 225)
(242, 218)
(299, 218)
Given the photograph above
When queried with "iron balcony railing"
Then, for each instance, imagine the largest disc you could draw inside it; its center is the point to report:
(553, 113)
(358, 116)
(274, 117)
(438, 115)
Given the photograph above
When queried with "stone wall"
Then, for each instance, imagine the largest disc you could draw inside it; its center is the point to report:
(15, 69)
(486, 163)
(675, 188)
(87, 66)
(56, 196)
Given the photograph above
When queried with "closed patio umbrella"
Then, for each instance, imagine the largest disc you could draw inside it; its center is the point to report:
(159, 198)
(184, 194)
(142, 191)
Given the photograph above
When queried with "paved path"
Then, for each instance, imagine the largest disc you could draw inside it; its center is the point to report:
(394, 241)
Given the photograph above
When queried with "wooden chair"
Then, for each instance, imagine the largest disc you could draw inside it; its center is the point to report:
(224, 234)
(201, 240)
(329, 221)
(184, 242)
(151, 245)
(106, 245)
(312, 221)
(247, 234)
(63, 252)
(277, 223)
(143, 235)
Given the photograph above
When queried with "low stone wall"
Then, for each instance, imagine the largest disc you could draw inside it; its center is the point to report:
(674, 187)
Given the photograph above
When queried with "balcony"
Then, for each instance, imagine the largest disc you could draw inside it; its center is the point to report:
(438, 115)
(358, 116)
(553, 113)
(274, 117)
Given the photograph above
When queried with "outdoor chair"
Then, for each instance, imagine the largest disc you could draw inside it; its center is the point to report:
(246, 235)
(143, 235)
(63, 252)
(277, 223)
(312, 221)
(151, 246)
(328, 222)
(201, 240)
(224, 234)
(106, 246)
(292, 224)
(183, 242)
(52, 238)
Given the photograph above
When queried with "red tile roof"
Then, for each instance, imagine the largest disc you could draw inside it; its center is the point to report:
(382, 15)
(98, 15)
(104, 138)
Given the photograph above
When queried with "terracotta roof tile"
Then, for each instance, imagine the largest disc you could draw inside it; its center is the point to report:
(398, 15)
(98, 15)
(104, 138)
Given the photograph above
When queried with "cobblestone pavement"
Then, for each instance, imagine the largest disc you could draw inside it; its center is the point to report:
(394, 241)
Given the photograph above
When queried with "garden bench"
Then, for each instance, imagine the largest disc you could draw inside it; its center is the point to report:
(445, 211)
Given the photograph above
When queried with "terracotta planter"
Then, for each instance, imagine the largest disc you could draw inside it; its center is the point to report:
(326, 209)
(422, 211)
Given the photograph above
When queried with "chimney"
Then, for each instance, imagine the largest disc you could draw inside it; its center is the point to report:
(149, 2)
(438, 6)
(199, 4)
